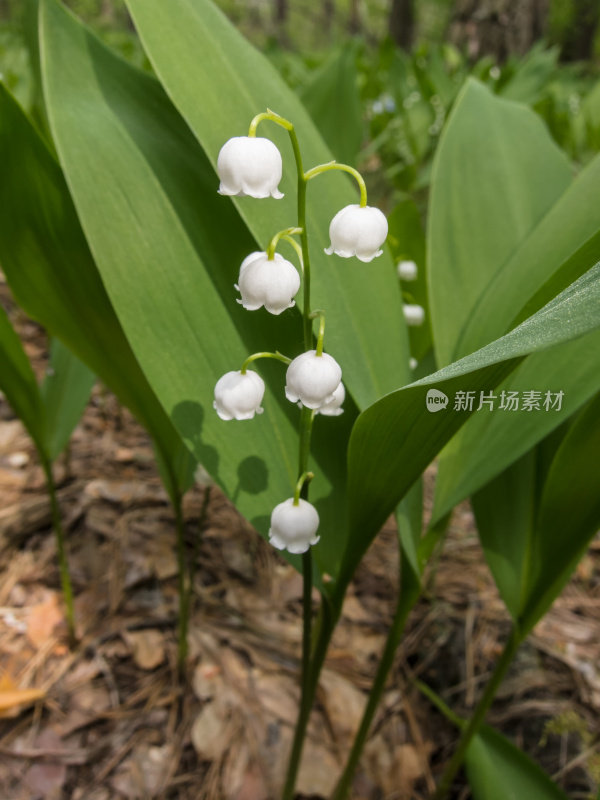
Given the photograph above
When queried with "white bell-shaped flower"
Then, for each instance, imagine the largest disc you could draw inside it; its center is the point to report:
(333, 408)
(413, 314)
(312, 379)
(407, 270)
(239, 396)
(268, 283)
(294, 527)
(358, 231)
(250, 166)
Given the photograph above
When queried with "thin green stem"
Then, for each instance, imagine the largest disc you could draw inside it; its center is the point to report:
(321, 334)
(407, 597)
(287, 232)
(321, 168)
(297, 248)
(63, 564)
(272, 117)
(303, 481)
(256, 356)
(473, 725)
(328, 619)
(184, 586)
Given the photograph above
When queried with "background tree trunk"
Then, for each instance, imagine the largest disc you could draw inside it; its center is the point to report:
(402, 22)
(354, 19)
(578, 39)
(498, 27)
(281, 11)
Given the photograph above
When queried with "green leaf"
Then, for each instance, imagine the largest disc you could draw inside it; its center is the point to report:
(498, 770)
(331, 98)
(494, 439)
(568, 515)
(496, 174)
(65, 392)
(394, 439)
(168, 249)
(47, 262)
(18, 382)
(219, 82)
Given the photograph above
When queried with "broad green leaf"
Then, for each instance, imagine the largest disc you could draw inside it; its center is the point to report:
(562, 237)
(51, 272)
(494, 439)
(394, 439)
(65, 393)
(496, 174)
(168, 249)
(498, 770)
(219, 82)
(18, 382)
(568, 516)
(331, 98)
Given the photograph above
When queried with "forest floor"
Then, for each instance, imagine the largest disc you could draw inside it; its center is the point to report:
(111, 719)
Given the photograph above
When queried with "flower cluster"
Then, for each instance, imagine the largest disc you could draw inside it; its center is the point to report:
(250, 166)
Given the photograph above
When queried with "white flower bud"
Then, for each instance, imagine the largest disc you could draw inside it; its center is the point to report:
(356, 231)
(413, 314)
(412, 363)
(239, 396)
(333, 408)
(407, 271)
(312, 379)
(293, 528)
(250, 166)
(271, 284)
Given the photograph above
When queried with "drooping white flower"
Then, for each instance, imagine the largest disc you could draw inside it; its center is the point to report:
(333, 408)
(239, 396)
(268, 283)
(250, 166)
(312, 379)
(413, 314)
(356, 231)
(407, 270)
(294, 527)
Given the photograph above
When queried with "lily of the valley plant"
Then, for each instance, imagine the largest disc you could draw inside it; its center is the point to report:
(252, 166)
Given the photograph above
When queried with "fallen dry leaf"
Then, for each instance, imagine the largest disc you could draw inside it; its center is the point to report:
(148, 648)
(43, 618)
(11, 697)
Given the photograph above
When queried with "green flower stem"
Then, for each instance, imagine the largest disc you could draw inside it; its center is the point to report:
(312, 173)
(256, 356)
(297, 248)
(184, 585)
(476, 721)
(408, 593)
(63, 565)
(303, 481)
(287, 232)
(327, 621)
(272, 117)
(321, 334)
